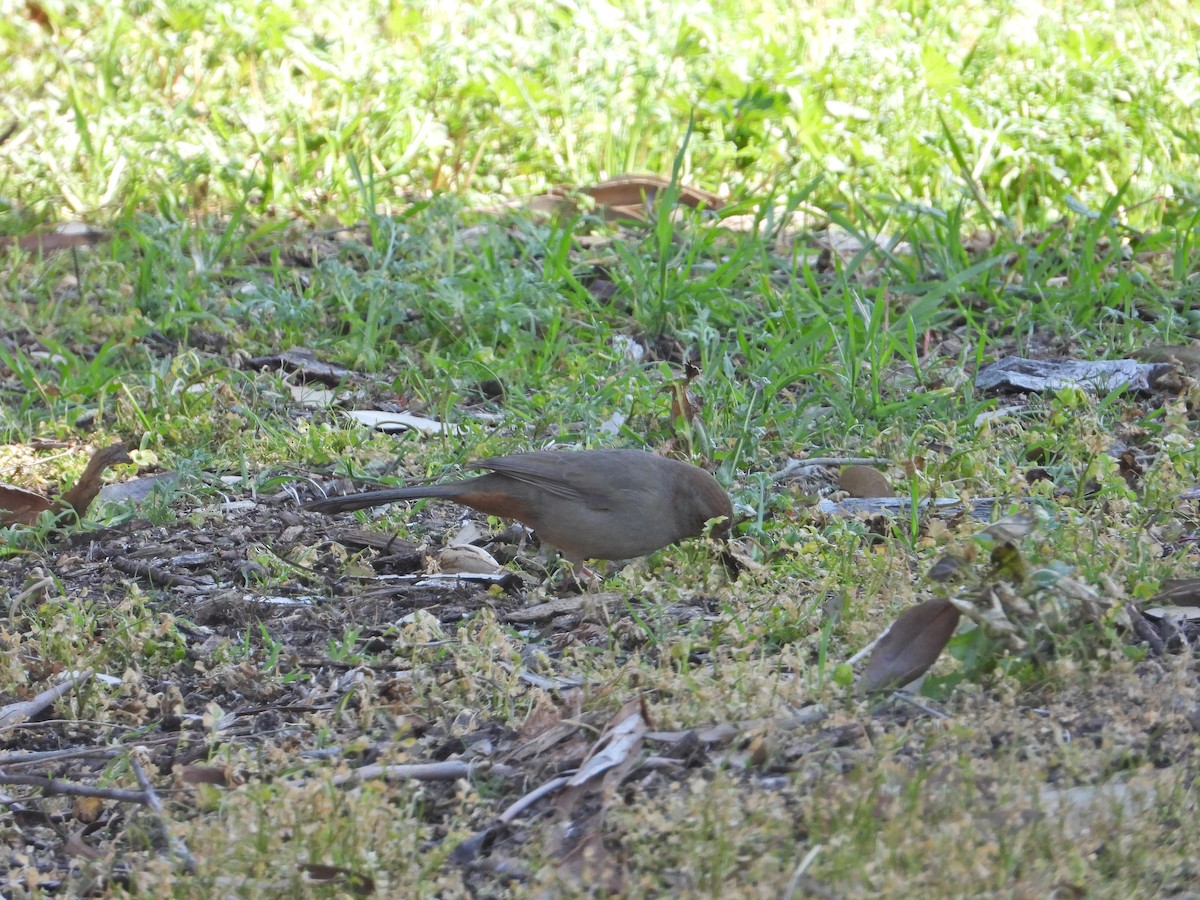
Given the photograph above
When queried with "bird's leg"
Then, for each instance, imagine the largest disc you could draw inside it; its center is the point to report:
(576, 578)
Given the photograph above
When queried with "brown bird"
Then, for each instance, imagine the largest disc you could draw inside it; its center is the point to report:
(589, 504)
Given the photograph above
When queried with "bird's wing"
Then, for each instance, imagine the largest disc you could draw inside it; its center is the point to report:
(562, 474)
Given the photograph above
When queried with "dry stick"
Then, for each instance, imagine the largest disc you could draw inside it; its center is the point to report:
(794, 881)
(178, 847)
(156, 575)
(147, 796)
(72, 789)
(42, 585)
(660, 764)
(518, 806)
(25, 759)
(443, 771)
(521, 804)
(913, 701)
(15, 713)
(12, 804)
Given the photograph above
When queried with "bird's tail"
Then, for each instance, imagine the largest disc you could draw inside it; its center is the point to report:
(333, 505)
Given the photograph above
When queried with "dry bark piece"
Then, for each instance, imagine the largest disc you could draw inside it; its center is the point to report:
(21, 507)
(302, 362)
(1178, 613)
(911, 646)
(1102, 376)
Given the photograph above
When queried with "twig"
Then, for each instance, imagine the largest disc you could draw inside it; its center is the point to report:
(157, 576)
(178, 847)
(521, 804)
(72, 789)
(15, 713)
(38, 588)
(794, 881)
(26, 759)
(913, 701)
(440, 771)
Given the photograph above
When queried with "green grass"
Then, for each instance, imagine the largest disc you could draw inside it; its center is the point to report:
(271, 109)
(288, 175)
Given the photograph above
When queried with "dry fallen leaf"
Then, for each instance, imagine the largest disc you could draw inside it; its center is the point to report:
(65, 237)
(355, 883)
(684, 404)
(623, 198)
(21, 507)
(863, 481)
(1012, 528)
(459, 558)
(913, 644)
(949, 566)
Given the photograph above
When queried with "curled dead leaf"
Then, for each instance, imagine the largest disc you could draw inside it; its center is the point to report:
(87, 809)
(685, 405)
(625, 198)
(66, 237)
(947, 568)
(911, 646)
(21, 507)
(356, 883)
(1012, 528)
(863, 481)
(462, 558)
